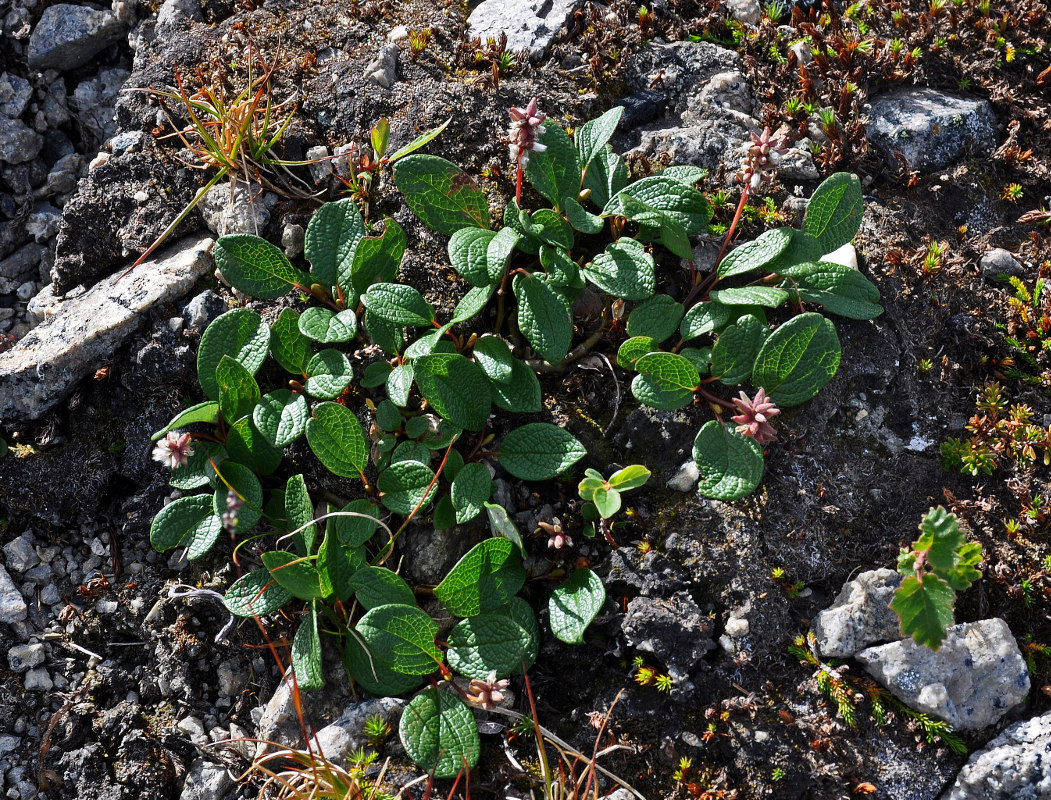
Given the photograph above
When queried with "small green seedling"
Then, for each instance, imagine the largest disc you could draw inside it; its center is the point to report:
(602, 497)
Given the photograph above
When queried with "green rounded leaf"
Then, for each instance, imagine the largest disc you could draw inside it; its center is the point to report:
(331, 239)
(731, 465)
(471, 303)
(834, 212)
(207, 411)
(797, 360)
(239, 333)
(328, 374)
(657, 318)
(399, 384)
(299, 511)
(186, 521)
(456, 388)
(522, 613)
(373, 675)
(359, 526)
(247, 445)
(549, 227)
(296, 574)
(243, 481)
(592, 136)
(580, 218)
(606, 175)
(631, 350)
(325, 325)
(539, 451)
(704, 318)
(755, 254)
(670, 371)
(521, 395)
(487, 643)
(238, 391)
(337, 565)
(467, 254)
(487, 577)
(404, 486)
(470, 490)
(383, 333)
(629, 478)
(290, 348)
(281, 417)
(401, 636)
(255, 594)
(493, 355)
(196, 473)
(439, 733)
(767, 296)
(544, 317)
(574, 604)
(255, 267)
(337, 439)
(398, 304)
(554, 172)
(306, 654)
(675, 200)
(378, 586)
(736, 349)
(623, 269)
(376, 374)
(377, 258)
(443, 196)
(499, 251)
(840, 289)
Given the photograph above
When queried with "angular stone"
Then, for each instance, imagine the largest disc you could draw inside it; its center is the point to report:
(19, 554)
(345, 735)
(205, 780)
(860, 615)
(998, 262)
(931, 129)
(12, 605)
(68, 36)
(15, 92)
(18, 142)
(23, 657)
(244, 210)
(530, 25)
(23, 263)
(674, 630)
(1016, 765)
(43, 367)
(973, 679)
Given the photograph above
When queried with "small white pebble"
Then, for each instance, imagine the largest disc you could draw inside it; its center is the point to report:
(141, 196)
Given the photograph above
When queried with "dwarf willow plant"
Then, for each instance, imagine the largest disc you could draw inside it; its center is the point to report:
(435, 389)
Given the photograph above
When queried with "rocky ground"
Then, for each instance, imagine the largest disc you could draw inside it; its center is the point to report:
(113, 688)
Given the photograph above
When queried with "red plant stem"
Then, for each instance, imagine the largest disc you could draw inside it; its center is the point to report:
(714, 399)
(518, 181)
(736, 219)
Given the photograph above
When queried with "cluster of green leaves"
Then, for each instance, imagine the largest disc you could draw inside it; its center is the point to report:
(940, 563)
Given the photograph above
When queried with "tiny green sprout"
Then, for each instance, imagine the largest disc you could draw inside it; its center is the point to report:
(777, 774)
(1012, 193)
(376, 730)
(925, 366)
(644, 676)
(932, 260)
(778, 573)
(1028, 589)
(1047, 563)
(1012, 526)
(605, 494)
(682, 773)
(663, 683)
(794, 590)
(793, 105)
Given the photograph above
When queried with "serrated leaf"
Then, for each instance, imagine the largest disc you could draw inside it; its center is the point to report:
(580, 218)
(704, 318)
(658, 317)
(325, 325)
(470, 490)
(443, 196)
(485, 644)
(736, 350)
(675, 200)
(539, 451)
(670, 372)
(606, 176)
(238, 391)
(731, 465)
(940, 536)
(331, 239)
(398, 303)
(766, 296)
(383, 333)
(555, 172)
(797, 359)
(472, 302)
(289, 347)
(299, 511)
(467, 254)
(399, 384)
(255, 594)
(593, 135)
(834, 212)
(231, 476)
(207, 411)
(456, 388)
(281, 417)
(295, 573)
(240, 334)
(925, 609)
(354, 531)
(489, 575)
(378, 586)
(624, 269)
(377, 259)
(521, 395)
(544, 316)
(373, 675)
(574, 604)
(756, 253)
(631, 350)
(439, 733)
(246, 445)
(840, 289)
(404, 486)
(402, 636)
(183, 522)
(337, 439)
(493, 355)
(255, 267)
(328, 374)
(306, 654)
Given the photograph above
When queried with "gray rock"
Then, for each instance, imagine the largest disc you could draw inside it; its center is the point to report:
(994, 263)
(280, 723)
(1016, 765)
(12, 604)
(38, 680)
(860, 615)
(383, 69)
(43, 222)
(25, 291)
(23, 263)
(68, 36)
(43, 367)
(674, 630)
(126, 142)
(200, 311)
(205, 780)
(345, 735)
(173, 11)
(686, 478)
(23, 657)
(15, 92)
(747, 11)
(931, 129)
(530, 25)
(9, 744)
(292, 238)
(18, 142)
(976, 677)
(246, 209)
(93, 100)
(19, 554)
(651, 575)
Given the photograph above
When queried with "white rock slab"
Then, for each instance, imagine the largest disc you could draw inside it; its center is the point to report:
(530, 25)
(80, 334)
